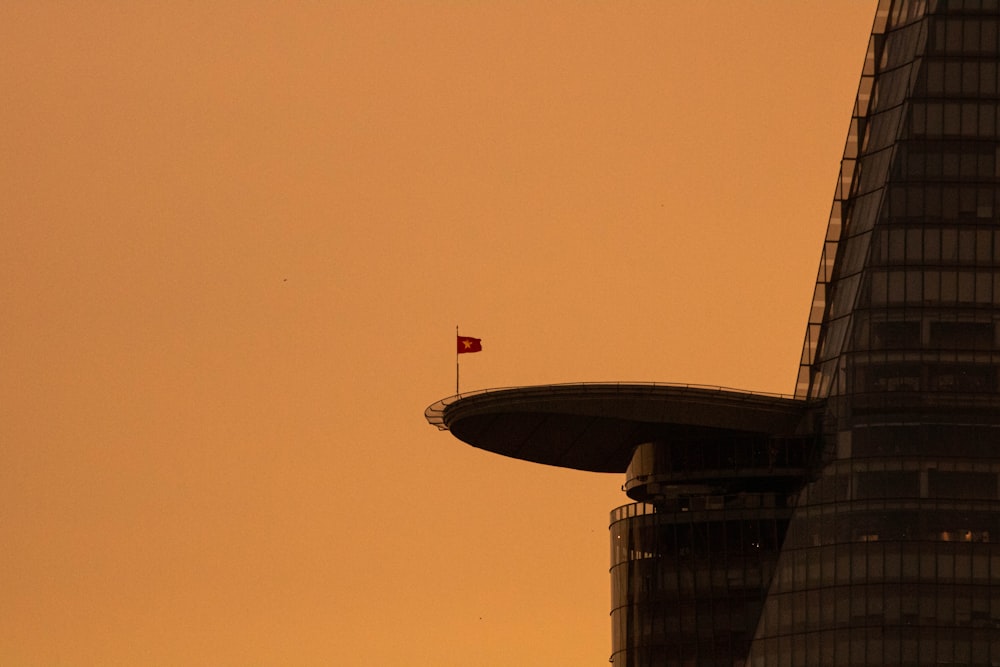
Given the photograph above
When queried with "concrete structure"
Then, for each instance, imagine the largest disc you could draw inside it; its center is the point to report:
(858, 522)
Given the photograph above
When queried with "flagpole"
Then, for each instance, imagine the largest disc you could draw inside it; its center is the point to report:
(456, 360)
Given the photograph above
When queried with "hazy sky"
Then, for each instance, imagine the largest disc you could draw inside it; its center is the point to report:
(236, 239)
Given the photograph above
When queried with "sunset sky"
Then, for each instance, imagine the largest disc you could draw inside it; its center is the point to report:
(236, 239)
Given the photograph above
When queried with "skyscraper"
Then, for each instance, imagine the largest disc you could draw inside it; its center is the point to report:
(858, 522)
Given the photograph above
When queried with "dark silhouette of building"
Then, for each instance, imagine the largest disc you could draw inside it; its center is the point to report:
(858, 522)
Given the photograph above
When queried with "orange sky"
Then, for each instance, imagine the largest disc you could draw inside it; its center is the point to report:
(236, 238)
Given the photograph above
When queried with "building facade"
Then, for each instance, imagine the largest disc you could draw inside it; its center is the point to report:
(892, 552)
(858, 522)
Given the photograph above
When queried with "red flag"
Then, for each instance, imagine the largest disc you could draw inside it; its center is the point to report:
(469, 344)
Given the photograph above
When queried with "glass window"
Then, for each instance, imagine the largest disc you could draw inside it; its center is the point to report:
(909, 650)
(945, 563)
(988, 43)
(911, 571)
(842, 602)
(968, 201)
(986, 169)
(971, 37)
(984, 287)
(984, 246)
(953, 36)
(949, 208)
(914, 245)
(970, 120)
(981, 575)
(966, 287)
(932, 201)
(914, 286)
(962, 377)
(967, 335)
(949, 244)
(952, 118)
(963, 570)
(988, 72)
(888, 484)
(844, 572)
(970, 77)
(895, 335)
(879, 287)
(967, 245)
(935, 76)
(892, 603)
(875, 561)
(897, 287)
(891, 377)
(932, 245)
(918, 119)
(949, 165)
(949, 286)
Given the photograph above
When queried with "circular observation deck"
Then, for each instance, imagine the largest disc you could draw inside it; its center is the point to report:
(595, 427)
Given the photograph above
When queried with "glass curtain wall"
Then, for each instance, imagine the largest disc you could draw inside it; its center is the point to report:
(688, 584)
(892, 555)
(692, 562)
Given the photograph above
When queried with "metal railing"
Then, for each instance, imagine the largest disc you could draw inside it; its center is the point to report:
(435, 412)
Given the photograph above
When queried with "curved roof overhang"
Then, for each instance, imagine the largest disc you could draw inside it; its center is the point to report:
(594, 427)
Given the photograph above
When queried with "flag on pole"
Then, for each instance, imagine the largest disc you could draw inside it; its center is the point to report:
(469, 344)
